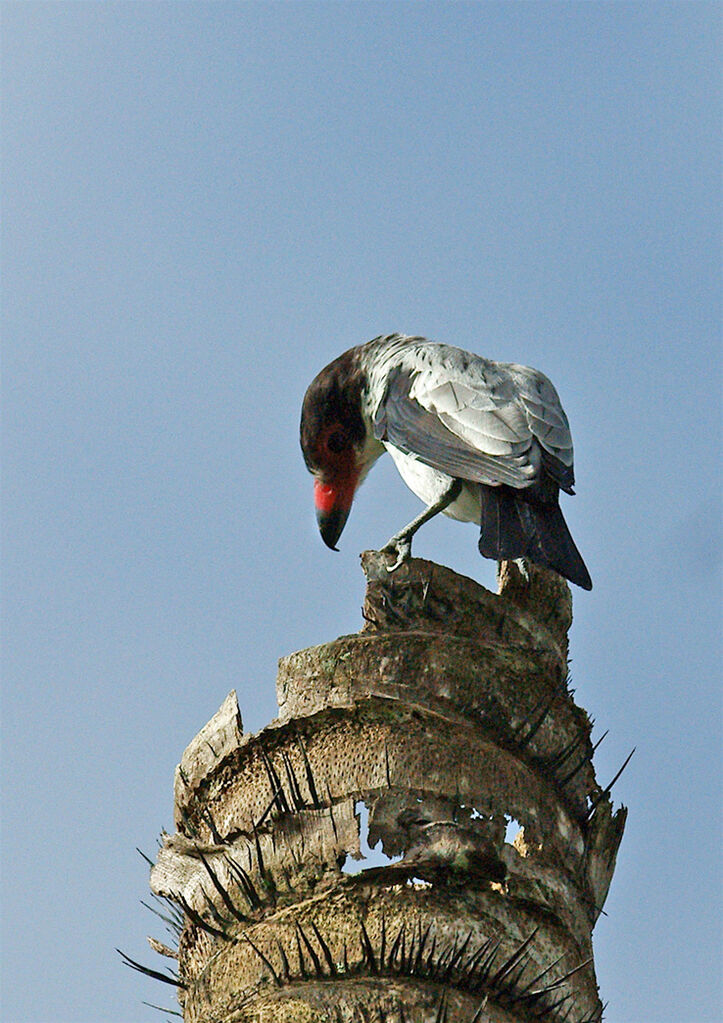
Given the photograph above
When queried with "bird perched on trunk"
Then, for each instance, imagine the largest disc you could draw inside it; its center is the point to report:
(482, 441)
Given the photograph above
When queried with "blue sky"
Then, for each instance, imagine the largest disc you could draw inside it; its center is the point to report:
(202, 205)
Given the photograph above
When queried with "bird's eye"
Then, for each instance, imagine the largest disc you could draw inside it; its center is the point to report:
(336, 442)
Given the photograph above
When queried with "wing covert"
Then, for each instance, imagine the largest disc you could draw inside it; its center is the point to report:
(480, 443)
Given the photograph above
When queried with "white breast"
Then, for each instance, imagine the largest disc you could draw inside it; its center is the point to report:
(429, 485)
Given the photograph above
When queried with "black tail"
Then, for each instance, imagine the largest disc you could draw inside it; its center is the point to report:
(517, 526)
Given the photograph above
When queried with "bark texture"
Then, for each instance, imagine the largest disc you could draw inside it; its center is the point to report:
(448, 719)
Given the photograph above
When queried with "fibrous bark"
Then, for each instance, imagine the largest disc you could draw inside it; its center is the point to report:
(449, 718)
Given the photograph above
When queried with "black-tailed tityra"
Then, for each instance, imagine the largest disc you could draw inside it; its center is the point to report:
(482, 441)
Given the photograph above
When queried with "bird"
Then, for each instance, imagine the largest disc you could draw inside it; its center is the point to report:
(480, 441)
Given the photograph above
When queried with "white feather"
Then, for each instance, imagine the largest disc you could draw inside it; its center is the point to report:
(501, 410)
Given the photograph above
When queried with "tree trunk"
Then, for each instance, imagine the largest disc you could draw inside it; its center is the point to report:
(449, 719)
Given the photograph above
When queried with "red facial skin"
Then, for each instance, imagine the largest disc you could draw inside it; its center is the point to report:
(336, 496)
(335, 485)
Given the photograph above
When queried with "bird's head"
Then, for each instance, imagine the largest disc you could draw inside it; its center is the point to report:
(336, 441)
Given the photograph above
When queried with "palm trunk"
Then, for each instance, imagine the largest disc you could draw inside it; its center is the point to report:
(449, 718)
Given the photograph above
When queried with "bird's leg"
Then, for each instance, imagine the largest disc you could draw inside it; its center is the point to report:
(401, 542)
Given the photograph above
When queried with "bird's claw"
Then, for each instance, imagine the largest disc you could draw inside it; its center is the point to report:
(402, 545)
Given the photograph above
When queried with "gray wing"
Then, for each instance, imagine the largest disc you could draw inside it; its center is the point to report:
(498, 425)
(547, 422)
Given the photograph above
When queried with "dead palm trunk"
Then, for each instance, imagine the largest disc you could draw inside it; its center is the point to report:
(449, 718)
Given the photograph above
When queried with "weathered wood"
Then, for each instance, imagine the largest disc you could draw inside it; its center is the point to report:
(448, 717)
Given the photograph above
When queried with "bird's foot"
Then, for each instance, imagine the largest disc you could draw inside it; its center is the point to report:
(401, 545)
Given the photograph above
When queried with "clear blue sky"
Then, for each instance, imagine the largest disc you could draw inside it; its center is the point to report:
(203, 204)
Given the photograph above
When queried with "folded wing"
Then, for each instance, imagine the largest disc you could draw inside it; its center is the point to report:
(496, 428)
